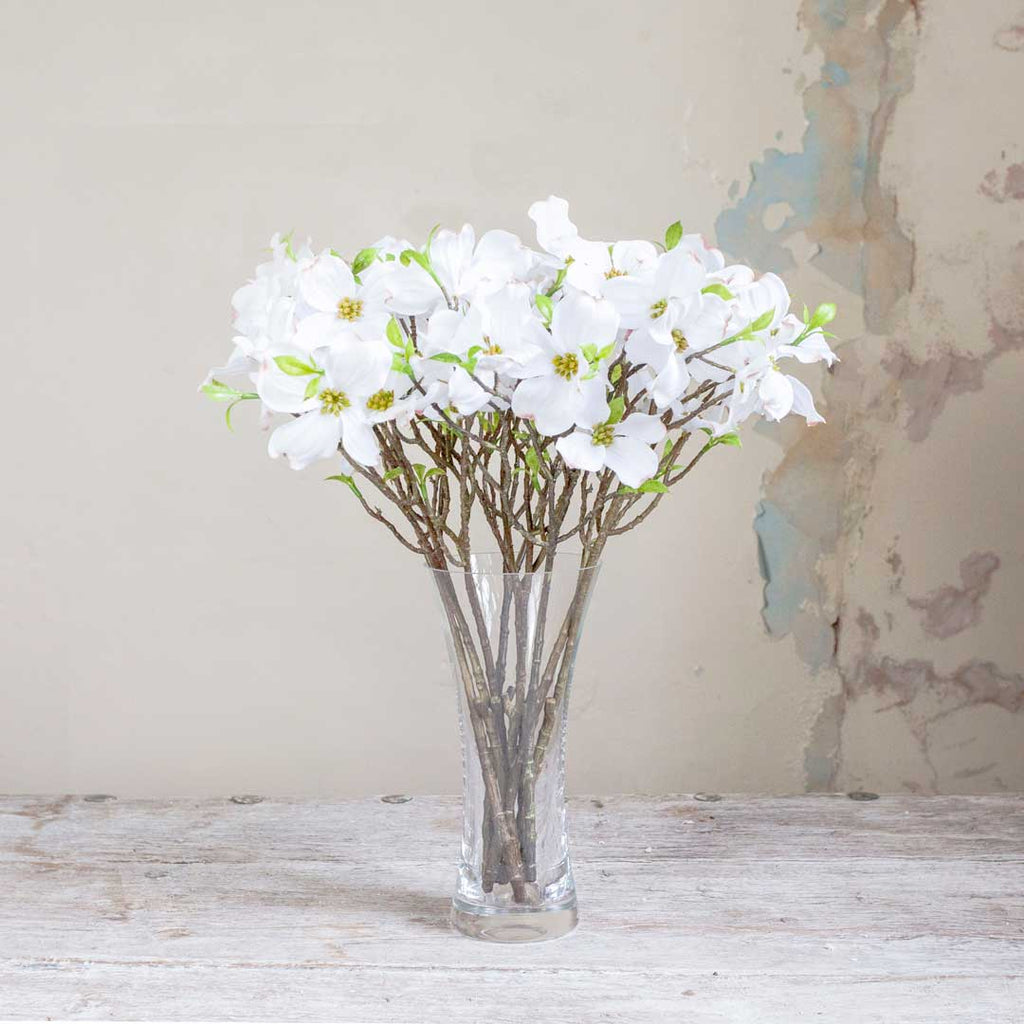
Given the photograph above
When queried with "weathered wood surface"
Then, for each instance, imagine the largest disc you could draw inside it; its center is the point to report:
(747, 909)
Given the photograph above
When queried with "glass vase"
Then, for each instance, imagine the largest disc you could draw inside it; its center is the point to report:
(512, 642)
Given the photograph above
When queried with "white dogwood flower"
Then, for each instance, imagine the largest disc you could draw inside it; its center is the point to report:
(468, 268)
(623, 447)
(558, 384)
(333, 397)
(344, 309)
(657, 300)
(693, 327)
(588, 265)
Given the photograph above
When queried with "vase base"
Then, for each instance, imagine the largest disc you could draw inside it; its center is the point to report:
(513, 925)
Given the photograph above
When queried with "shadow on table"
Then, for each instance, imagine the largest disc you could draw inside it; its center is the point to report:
(360, 904)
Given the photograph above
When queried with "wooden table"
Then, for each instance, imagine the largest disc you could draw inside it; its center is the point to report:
(724, 909)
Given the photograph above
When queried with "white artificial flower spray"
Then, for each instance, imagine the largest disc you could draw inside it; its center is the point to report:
(542, 395)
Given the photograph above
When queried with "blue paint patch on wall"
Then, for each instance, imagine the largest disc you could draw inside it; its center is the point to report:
(833, 13)
(780, 177)
(807, 181)
(833, 74)
(786, 587)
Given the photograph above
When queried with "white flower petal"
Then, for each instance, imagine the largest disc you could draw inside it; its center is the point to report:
(803, 402)
(671, 382)
(776, 393)
(594, 405)
(555, 232)
(580, 452)
(635, 257)
(321, 329)
(552, 403)
(280, 391)
(632, 461)
(641, 426)
(326, 282)
(465, 394)
(304, 440)
(813, 349)
(439, 335)
(679, 275)
(642, 348)
(580, 319)
(359, 368)
(412, 291)
(631, 297)
(358, 438)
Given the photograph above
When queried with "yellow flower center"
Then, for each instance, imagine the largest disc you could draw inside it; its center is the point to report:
(609, 274)
(332, 402)
(566, 366)
(491, 348)
(604, 434)
(381, 401)
(680, 339)
(350, 309)
(658, 308)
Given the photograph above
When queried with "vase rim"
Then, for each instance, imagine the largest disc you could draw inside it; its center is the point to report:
(490, 563)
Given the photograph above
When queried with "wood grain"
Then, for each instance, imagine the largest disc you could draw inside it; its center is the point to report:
(900, 909)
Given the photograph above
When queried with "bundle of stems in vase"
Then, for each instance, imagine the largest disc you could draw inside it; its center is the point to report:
(549, 396)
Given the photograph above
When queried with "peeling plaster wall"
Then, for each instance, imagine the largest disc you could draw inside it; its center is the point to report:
(884, 533)
(827, 608)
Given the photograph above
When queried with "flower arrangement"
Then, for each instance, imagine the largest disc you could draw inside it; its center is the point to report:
(558, 392)
(543, 397)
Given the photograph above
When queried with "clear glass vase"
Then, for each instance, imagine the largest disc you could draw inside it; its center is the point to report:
(512, 643)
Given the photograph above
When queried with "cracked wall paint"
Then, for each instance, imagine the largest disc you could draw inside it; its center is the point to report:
(815, 524)
(832, 183)
(949, 610)
(1005, 184)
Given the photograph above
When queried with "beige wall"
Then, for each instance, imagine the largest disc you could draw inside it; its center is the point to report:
(180, 615)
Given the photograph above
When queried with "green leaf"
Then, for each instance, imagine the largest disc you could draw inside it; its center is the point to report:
(627, 490)
(545, 307)
(824, 314)
(717, 289)
(421, 475)
(430, 239)
(763, 321)
(560, 277)
(436, 471)
(311, 387)
(616, 373)
(401, 365)
(673, 234)
(363, 259)
(618, 408)
(295, 367)
(394, 334)
(589, 353)
(807, 314)
(227, 412)
(392, 473)
(653, 487)
(220, 392)
(417, 257)
(447, 357)
(345, 479)
(605, 352)
(534, 465)
(732, 439)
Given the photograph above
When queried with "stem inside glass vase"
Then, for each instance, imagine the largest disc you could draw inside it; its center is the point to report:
(512, 642)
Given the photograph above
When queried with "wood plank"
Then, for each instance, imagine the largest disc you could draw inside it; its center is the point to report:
(304, 910)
